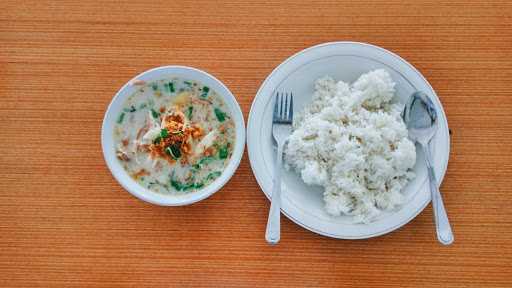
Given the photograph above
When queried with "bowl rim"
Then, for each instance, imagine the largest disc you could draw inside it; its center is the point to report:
(118, 171)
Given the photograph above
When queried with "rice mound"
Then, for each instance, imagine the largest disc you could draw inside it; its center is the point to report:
(352, 140)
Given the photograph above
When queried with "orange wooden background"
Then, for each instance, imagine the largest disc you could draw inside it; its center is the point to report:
(65, 222)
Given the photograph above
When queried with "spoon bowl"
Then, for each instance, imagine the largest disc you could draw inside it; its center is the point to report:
(420, 116)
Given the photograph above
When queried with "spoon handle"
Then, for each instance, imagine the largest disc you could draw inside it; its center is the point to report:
(443, 228)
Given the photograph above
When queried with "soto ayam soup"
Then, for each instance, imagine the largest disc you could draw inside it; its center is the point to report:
(174, 135)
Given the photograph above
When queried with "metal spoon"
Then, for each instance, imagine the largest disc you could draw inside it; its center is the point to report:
(420, 116)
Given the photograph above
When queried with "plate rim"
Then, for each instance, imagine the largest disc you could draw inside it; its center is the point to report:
(251, 121)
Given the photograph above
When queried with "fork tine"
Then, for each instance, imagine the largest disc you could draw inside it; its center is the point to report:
(284, 115)
(281, 103)
(276, 103)
(290, 110)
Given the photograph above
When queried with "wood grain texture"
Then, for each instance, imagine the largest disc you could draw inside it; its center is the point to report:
(65, 222)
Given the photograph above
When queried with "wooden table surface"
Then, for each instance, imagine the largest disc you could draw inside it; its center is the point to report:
(65, 222)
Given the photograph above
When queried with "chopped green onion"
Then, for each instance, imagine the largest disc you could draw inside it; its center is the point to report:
(189, 112)
(176, 151)
(221, 116)
(164, 133)
(120, 119)
(155, 114)
(223, 152)
(186, 186)
(177, 185)
(132, 109)
(157, 140)
(206, 89)
(213, 175)
(173, 151)
(169, 87)
(189, 186)
(205, 160)
(154, 86)
(188, 83)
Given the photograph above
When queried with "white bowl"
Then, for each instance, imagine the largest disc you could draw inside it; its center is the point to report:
(107, 141)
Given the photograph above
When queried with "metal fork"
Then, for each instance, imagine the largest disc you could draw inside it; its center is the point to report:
(281, 129)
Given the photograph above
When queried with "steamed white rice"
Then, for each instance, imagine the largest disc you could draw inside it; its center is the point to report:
(352, 141)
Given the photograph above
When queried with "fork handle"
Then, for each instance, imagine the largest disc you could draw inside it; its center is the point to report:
(273, 232)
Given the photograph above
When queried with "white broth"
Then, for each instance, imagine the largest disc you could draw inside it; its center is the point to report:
(174, 135)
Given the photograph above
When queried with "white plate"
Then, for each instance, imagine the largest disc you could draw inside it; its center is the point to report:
(344, 61)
